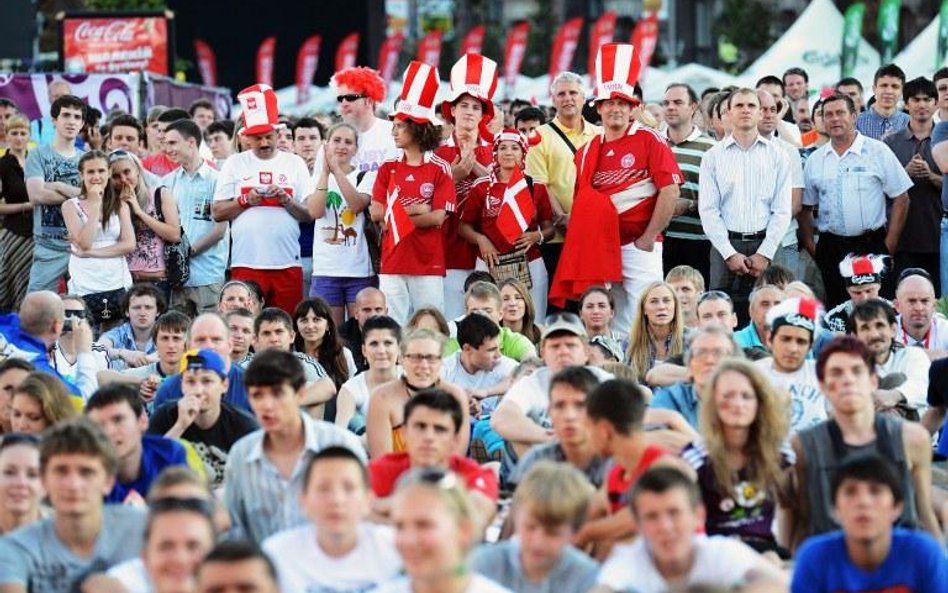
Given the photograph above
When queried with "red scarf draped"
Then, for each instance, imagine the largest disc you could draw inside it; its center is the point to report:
(591, 252)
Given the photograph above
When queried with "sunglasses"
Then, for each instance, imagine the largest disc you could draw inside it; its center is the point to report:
(349, 98)
(714, 295)
(116, 155)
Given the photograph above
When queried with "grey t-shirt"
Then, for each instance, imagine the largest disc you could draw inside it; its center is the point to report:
(49, 228)
(597, 471)
(574, 573)
(35, 558)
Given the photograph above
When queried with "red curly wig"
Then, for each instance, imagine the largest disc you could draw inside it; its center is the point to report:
(363, 80)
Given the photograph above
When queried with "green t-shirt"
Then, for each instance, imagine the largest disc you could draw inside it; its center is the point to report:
(512, 345)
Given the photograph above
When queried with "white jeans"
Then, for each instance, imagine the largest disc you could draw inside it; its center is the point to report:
(540, 289)
(406, 294)
(639, 268)
(454, 293)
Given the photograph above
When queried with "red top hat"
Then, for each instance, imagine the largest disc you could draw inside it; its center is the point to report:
(476, 76)
(617, 71)
(417, 99)
(259, 110)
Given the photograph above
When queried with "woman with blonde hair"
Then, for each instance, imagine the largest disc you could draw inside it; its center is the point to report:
(16, 234)
(743, 455)
(436, 526)
(519, 311)
(658, 330)
(39, 402)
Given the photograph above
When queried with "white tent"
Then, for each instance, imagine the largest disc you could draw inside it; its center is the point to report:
(814, 43)
(918, 57)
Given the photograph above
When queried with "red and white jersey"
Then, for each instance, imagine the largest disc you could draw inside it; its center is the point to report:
(632, 169)
(483, 207)
(460, 254)
(421, 253)
(267, 236)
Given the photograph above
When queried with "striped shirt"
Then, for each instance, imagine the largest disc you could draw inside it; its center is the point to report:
(259, 499)
(745, 191)
(689, 153)
(871, 124)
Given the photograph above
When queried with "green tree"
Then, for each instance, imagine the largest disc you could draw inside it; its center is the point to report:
(746, 25)
(334, 201)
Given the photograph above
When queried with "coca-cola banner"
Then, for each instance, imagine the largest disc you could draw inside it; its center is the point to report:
(109, 44)
(105, 92)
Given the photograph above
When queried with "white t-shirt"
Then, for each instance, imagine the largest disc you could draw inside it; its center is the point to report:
(913, 363)
(359, 388)
(478, 584)
(719, 561)
(264, 237)
(339, 246)
(376, 145)
(304, 568)
(453, 372)
(808, 406)
(133, 576)
(532, 394)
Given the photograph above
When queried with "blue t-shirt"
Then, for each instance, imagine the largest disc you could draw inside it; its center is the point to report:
(194, 195)
(157, 454)
(236, 395)
(915, 564)
(680, 397)
(49, 228)
(940, 134)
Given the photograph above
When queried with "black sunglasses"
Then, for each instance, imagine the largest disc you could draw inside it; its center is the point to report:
(713, 295)
(349, 98)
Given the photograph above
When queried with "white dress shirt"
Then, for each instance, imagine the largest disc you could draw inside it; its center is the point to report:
(851, 190)
(750, 189)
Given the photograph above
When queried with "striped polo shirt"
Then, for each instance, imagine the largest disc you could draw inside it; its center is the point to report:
(689, 154)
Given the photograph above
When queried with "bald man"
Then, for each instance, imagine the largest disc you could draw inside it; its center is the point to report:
(31, 334)
(209, 330)
(918, 325)
(369, 302)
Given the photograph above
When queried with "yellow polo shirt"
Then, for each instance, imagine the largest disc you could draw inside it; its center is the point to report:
(551, 162)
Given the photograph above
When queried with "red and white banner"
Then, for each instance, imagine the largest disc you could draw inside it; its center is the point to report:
(564, 46)
(306, 61)
(347, 51)
(429, 48)
(645, 39)
(116, 44)
(517, 210)
(603, 30)
(206, 62)
(514, 53)
(265, 61)
(396, 217)
(388, 56)
(474, 41)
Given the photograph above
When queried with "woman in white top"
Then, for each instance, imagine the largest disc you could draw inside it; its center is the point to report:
(100, 232)
(381, 337)
(341, 263)
(434, 532)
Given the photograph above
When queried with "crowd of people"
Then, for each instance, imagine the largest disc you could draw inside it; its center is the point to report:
(478, 345)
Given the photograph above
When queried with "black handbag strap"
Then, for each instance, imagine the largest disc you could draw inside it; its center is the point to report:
(562, 135)
(158, 213)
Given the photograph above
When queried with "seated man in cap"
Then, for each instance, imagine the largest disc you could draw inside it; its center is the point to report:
(863, 277)
(200, 417)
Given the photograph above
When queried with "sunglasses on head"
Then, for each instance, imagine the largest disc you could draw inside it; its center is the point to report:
(349, 98)
(714, 295)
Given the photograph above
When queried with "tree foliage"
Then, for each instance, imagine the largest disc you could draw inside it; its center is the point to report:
(746, 25)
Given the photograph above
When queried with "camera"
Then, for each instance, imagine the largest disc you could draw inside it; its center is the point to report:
(72, 314)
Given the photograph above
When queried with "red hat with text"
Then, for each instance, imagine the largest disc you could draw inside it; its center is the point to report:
(419, 90)
(617, 71)
(476, 76)
(259, 110)
(798, 312)
(858, 270)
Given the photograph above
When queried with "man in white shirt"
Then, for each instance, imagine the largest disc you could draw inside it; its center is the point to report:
(744, 201)
(478, 367)
(902, 370)
(668, 510)
(918, 325)
(262, 192)
(792, 326)
(859, 189)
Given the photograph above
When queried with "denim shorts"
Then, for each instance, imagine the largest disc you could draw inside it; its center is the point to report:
(338, 291)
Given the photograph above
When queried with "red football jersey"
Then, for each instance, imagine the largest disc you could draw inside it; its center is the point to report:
(640, 163)
(385, 471)
(484, 205)
(421, 253)
(459, 253)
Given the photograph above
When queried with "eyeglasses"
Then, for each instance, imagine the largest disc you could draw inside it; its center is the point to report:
(714, 295)
(562, 317)
(349, 98)
(417, 358)
(715, 352)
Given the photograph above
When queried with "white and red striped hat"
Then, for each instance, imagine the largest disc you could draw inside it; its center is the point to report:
(419, 90)
(798, 312)
(857, 270)
(617, 71)
(476, 76)
(259, 110)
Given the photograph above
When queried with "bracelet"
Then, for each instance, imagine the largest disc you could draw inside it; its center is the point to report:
(322, 189)
(540, 242)
(243, 202)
